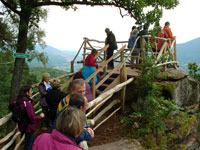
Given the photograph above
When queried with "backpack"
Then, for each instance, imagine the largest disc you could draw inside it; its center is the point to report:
(16, 112)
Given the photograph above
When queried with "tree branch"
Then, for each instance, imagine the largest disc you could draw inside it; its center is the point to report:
(84, 2)
(10, 7)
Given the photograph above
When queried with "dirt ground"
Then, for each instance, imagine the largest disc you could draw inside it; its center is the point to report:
(109, 131)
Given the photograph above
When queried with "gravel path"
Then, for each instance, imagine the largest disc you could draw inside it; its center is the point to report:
(119, 145)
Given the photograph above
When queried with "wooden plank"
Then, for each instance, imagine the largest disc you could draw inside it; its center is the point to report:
(113, 84)
(67, 83)
(11, 141)
(107, 118)
(123, 78)
(98, 106)
(107, 108)
(4, 139)
(106, 77)
(106, 62)
(109, 92)
(93, 87)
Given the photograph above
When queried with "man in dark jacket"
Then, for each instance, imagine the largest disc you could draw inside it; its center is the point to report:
(112, 46)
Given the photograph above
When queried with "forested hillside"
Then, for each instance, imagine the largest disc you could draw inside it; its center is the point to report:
(57, 59)
(188, 52)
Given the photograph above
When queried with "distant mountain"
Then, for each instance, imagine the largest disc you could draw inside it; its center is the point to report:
(56, 58)
(188, 52)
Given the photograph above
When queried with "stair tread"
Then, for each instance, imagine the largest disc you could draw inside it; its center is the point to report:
(105, 84)
(98, 91)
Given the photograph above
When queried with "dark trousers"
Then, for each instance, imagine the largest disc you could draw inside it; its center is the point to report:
(45, 120)
(52, 115)
(110, 54)
(29, 139)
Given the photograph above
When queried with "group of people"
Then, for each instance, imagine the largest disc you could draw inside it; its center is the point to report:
(157, 44)
(62, 113)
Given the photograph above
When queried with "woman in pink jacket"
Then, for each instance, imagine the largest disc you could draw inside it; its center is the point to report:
(69, 125)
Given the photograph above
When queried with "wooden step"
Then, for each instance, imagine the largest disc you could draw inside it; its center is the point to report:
(105, 85)
(111, 79)
(98, 92)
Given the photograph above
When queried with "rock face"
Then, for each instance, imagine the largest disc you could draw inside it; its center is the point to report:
(185, 91)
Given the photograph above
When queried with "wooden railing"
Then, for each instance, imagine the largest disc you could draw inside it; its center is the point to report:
(14, 135)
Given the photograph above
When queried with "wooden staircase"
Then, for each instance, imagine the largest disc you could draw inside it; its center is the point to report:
(109, 83)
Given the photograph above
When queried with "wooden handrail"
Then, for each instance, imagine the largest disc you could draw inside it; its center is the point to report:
(109, 92)
(107, 61)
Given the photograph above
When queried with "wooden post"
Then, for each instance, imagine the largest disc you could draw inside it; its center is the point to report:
(175, 53)
(123, 77)
(84, 51)
(93, 87)
(142, 46)
(18, 138)
(72, 67)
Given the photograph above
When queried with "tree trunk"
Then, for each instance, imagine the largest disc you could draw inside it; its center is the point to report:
(21, 48)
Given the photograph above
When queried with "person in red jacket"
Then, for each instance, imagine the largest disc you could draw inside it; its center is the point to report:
(90, 66)
(168, 32)
(90, 59)
(28, 126)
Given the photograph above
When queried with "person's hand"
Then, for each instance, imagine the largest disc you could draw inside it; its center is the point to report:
(92, 122)
(91, 132)
(42, 115)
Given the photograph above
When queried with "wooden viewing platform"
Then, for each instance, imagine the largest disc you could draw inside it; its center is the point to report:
(112, 81)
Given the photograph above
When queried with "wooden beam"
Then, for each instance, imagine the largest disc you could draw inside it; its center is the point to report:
(11, 141)
(107, 108)
(109, 92)
(113, 84)
(123, 78)
(98, 106)
(8, 135)
(106, 118)
(97, 70)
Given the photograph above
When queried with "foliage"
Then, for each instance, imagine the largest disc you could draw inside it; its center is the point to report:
(159, 123)
(194, 70)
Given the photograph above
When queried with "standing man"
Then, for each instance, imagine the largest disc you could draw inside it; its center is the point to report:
(168, 33)
(110, 39)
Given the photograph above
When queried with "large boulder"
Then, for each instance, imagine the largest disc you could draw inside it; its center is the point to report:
(172, 74)
(176, 85)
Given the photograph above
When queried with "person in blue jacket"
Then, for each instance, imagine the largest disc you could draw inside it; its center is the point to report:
(79, 101)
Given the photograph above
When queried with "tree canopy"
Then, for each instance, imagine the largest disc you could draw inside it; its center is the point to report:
(28, 13)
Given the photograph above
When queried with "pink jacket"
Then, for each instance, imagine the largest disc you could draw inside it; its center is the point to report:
(54, 141)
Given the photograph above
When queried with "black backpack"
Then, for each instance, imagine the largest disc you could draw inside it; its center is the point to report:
(16, 113)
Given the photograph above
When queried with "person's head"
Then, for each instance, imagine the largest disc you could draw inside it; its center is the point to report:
(107, 30)
(71, 121)
(135, 32)
(133, 27)
(55, 83)
(78, 75)
(46, 77)
(79, 101)
(25, 91)
(77, 86)
(167, 23)
(94, 51)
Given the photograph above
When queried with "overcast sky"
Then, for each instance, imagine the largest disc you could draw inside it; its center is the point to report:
(65, 29)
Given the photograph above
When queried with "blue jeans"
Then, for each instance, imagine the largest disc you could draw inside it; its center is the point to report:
(29, 139)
